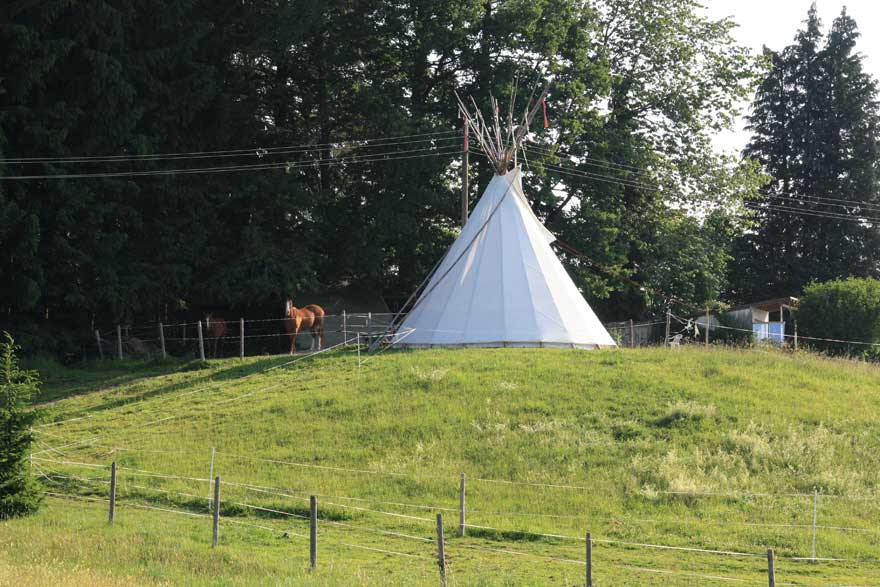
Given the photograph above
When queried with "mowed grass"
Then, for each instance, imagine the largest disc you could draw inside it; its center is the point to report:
(707, 449)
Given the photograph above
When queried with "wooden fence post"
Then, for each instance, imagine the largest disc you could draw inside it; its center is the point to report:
(344, 327)
(359, 352)
(241, 338)
(162, 340)
(441, 554)
(313, 532)
(771, 568)
(100, 346)
(795, 337)
(589, 559)
(201, 342)
(462, 490)
(118, 341)
(632, 334)
(216, 511)
(112, 491)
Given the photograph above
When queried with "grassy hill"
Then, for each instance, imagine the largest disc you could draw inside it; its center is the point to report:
(715, 449)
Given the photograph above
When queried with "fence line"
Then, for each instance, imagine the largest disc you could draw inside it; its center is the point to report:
(282, 493)
(477, 547)
(291, 494)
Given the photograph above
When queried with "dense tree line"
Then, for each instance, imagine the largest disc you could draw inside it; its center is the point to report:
(638, 89)
(816, 131)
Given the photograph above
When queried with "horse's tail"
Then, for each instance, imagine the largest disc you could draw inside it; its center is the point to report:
(318, 323)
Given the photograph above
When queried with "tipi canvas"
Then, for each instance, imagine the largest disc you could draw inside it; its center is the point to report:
(501, 284)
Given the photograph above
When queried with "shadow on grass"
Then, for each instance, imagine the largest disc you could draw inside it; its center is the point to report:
(505, 535)
(99, 376)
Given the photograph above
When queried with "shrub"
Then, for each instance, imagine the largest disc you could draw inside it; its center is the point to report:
(731, 331)
(843, 309)
(19, 492)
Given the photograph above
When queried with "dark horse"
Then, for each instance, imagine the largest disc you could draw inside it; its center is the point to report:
(310, 318)
(215, 327)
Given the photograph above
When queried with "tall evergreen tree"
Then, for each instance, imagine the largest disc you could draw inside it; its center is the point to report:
(815, 129)
(20, 494)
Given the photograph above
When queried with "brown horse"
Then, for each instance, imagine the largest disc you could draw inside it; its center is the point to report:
(309, 317)
(215, 328)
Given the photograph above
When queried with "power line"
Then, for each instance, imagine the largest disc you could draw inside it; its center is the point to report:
(817, 202)
(370, 158)
(197, 154)
(259, 153)
(815, 213)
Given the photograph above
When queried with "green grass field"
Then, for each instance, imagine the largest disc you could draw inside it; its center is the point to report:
(697, 449)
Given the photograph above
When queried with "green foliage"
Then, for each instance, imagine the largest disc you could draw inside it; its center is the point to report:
(843, 309)
(20, 494)
(733, 331)
(639, 88)
(816, 131)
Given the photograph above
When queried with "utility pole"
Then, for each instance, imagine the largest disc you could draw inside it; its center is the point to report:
(465, 165)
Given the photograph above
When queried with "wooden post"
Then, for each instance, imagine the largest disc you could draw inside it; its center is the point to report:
(441, 554)
(707, 326)
(462, 489)
(795, 336)
(815, 517)
(465, 171)
(201, 342)
(118, 341)
(668, 318)
(100, 346)
(112, 491)
(162, 340)
(589, 559)
(359, 352)
(210, 476)
(632, 334)
(344, 327)
(370, 327)
(313, 532)
(771, 568)
(241, 338)
(216, 511)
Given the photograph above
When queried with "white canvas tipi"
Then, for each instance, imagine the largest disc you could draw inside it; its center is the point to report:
(501, 284)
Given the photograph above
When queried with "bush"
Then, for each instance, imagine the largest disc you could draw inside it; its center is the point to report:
(19, 492)
(731, 331)
(843, 309)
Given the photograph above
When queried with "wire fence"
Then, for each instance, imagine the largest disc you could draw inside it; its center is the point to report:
(217, 338)
(286, 513)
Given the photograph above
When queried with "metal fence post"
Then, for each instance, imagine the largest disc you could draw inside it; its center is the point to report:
(118, 341)
(241, 338)
(162, 340)
(201, 342)
(462, 491)
(815, 518)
